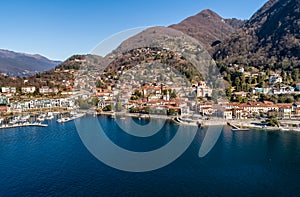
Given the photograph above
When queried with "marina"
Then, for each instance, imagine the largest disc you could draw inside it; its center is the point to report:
(27, 120)
(37, 120)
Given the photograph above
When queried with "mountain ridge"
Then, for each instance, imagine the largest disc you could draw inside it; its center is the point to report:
(208, 27)
(270, 37)
(22, 64)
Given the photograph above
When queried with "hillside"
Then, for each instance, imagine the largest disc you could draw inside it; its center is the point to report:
(20, 64)
(208, 27)
(270, 39)
(235, 23)
(171, 40)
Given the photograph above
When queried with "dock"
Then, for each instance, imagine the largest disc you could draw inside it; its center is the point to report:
(7, 126)
(186, 122)
(236, 128)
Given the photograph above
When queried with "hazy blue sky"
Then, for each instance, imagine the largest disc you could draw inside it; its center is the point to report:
(57, 29)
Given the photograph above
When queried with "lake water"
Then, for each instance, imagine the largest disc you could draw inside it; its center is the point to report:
(53, 161)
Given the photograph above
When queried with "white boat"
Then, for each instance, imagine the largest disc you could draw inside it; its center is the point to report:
(65, 119)
(77, 115)
(14, 120)
(284, 129)
(24, 119)
(113, 115)
(40, 119)
(50, 116)
(73, 117)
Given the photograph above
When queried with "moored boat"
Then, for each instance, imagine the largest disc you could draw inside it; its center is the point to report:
(49, 116)
(73, 117)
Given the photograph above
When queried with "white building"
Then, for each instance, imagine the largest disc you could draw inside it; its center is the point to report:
(203, 90)
(4, 100)
(261, 90)
(275, 78)
(8, 89)
(44, 90)
(227, 114)
(284, 90)
(28, 89)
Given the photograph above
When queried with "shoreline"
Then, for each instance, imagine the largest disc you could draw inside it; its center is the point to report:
(251, 124)
(256, 124)
(211, 122)
(188, 121)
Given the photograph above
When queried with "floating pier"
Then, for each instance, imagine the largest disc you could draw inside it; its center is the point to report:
(36, 124)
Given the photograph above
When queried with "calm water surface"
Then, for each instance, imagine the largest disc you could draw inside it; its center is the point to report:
(53, 161)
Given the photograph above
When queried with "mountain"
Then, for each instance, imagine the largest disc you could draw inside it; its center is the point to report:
(208, 27)
(54, 77)
(20, 64)
(235, 23)
(270, 38)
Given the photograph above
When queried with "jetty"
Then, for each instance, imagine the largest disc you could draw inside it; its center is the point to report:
(34, 124)
(187, 122)
(236, 128)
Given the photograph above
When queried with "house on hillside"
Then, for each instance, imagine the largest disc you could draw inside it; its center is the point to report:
(265, 90)
(284, 90)
(241, 94)
(28, 89)
(8, 90)
(4, 101)
(44, 90)
(275, 78)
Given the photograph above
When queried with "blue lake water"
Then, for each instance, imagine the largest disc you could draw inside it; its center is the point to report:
(53, 161)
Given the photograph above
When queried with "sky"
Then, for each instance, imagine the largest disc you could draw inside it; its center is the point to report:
(58, 29)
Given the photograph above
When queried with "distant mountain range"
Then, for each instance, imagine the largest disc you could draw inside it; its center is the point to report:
(20, 64)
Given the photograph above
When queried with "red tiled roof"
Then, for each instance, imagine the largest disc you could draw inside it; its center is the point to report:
(285, 105)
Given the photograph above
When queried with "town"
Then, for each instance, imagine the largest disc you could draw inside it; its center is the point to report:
(170, 99)
(159, 82)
